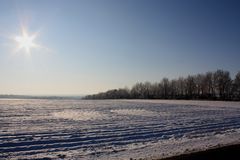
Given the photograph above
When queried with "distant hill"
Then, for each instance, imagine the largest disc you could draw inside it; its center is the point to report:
(37, 97)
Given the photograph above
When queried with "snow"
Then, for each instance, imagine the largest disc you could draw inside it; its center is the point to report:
(78, 115)
(114, 129)
(135, 112)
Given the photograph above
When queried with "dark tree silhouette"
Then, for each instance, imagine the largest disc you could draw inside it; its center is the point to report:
(236, 87)
(216, 85)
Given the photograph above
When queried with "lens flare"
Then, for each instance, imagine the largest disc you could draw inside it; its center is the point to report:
(26, 41)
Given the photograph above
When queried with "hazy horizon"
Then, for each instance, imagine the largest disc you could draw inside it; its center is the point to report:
(88, 46)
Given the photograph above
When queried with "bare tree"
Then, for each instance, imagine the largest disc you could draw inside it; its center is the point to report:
(199, 85)
(148, 90)
(173, 89)
(181, 85)
(137, 91)
(166, 87)
(222, 83)
(211, 85)
(236, 87)
(190, 86)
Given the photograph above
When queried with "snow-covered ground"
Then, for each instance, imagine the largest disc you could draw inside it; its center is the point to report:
(114, 129)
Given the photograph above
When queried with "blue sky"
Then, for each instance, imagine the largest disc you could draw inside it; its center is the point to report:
(97, 45)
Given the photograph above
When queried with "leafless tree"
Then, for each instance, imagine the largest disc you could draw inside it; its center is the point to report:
(190, 86)
(236, 87)
(211, 85)
(222, 83)
(166, 87)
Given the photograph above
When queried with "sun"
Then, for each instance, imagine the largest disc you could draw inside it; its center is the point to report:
(26, 41)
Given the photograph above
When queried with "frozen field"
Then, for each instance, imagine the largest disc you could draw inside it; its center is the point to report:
(85, 129)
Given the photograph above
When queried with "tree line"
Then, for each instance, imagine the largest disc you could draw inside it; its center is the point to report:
(216, 85)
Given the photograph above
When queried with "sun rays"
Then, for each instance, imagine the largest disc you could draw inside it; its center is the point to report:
(26, 41)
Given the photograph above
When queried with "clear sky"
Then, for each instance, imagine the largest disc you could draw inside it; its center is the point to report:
(91, 46)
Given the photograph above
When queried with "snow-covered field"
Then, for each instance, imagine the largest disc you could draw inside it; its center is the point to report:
(117, 129)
